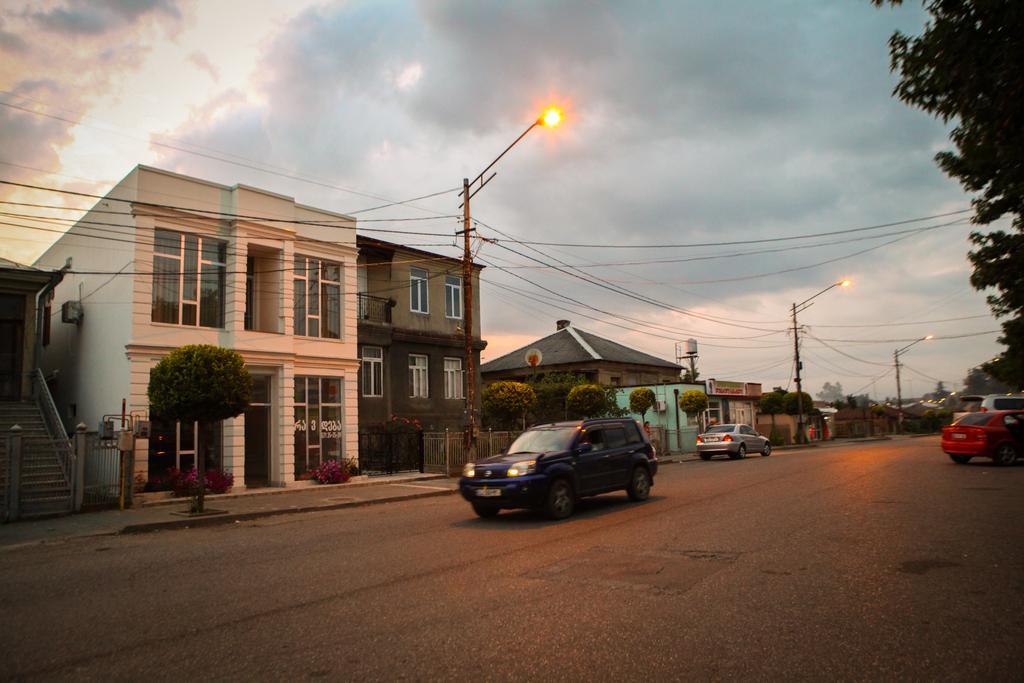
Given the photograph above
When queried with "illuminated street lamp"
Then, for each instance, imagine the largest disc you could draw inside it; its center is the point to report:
(797, 308)
(899, 394)
(550, 118)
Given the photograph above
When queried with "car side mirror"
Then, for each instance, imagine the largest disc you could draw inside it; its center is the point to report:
(584, 448)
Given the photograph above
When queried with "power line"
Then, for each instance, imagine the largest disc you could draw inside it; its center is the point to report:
(593, 245)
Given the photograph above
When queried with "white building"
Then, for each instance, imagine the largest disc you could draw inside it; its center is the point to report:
(166, 260)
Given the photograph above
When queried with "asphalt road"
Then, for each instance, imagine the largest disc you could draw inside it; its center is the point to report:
(867, 562)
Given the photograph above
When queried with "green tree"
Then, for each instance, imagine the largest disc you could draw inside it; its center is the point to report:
(507, 402)
(978, 381)
(790, 405)
(693, 402)
(641, 400)
(772, 404)
(967, 66)
(552, 391)
(200, 383)
(588, 400)
(691, 377)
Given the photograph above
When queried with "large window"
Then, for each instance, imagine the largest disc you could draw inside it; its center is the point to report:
(453, 296)
(317, 297)
(318, 422)
(373, 371)
(175, 444)
(418, 376)
(188, 279)
(453, 378)
(418, 291)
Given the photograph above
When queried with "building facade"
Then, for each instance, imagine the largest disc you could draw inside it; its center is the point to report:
(410, 331)
(180, 261)
(733, 402)
(25, 318)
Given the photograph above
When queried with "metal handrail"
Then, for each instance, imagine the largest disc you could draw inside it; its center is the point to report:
(373, 308)
(51, 418)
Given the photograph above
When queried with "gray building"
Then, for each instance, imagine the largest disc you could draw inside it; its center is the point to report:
(410, 333)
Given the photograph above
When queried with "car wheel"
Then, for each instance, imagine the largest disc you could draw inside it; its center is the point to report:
(561, 501)
(960, 459)
(1006, 454)
(705, 456)
(767, 450)
(639, 484)
(485, 509)
(741, 452)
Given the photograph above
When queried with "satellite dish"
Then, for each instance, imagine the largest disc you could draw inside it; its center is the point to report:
(534, 357)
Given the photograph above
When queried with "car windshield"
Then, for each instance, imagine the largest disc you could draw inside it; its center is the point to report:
(974, 419)
(721, 428)
(543, 440)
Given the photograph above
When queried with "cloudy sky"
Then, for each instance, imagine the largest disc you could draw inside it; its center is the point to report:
(763, 132)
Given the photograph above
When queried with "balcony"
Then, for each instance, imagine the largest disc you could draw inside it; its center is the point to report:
(374, 309)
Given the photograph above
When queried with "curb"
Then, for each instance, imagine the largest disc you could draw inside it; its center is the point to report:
(246, 516)
(303, 489)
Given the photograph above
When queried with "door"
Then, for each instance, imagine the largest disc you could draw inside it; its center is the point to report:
(12, 339)
(257, 434)
(591, 466)
(617, 457)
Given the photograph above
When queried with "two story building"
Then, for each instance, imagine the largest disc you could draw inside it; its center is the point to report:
(165, 260)
(411, 339)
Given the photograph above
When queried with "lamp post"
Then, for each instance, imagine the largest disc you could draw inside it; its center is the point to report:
(797, 308)
(899, 392)
(550, 118)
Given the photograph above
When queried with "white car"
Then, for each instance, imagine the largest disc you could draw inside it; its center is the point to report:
(734, 440)
(988, 403)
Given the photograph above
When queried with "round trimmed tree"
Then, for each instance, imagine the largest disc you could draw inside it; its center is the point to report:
(201, 383)
(508, 401)
(587, 400)
(693, 402)
(641, 400)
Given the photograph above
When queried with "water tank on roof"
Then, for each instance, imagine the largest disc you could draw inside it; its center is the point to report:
(691, 347)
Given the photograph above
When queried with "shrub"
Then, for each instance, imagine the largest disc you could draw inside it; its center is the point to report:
(330, 472)
(641, 400)
(775, 437)
(187, 483)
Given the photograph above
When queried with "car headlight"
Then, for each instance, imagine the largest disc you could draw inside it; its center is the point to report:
(469, 470)
(518, 469)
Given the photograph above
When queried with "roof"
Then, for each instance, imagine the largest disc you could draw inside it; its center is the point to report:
(7, 264)
(365, 242)
(573, 345)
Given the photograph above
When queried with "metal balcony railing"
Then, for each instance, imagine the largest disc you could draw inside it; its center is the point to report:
(374, 309)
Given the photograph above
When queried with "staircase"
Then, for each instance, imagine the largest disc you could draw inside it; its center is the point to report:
(45, 485)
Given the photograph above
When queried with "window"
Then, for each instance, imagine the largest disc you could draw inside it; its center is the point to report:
(418, 291)
(373, 371)
(453, 296)
(175, 444)
(318, 422)
(317, 298)
(616, 437)
(418, 377)
(188, 279)
(453, 378)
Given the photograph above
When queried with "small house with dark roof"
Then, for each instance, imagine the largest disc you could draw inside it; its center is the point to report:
(571, 349)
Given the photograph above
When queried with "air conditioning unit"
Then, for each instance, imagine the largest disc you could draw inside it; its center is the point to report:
(660, 406)
(71, 312)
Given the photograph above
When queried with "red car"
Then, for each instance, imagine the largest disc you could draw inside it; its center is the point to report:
(998, 435)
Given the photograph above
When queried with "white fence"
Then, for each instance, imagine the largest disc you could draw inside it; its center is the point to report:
(444, 452)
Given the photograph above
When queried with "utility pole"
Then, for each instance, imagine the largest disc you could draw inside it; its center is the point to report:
(467, 325)
(799, 386)
(899, 394)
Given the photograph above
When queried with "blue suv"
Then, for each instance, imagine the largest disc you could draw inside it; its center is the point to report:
(550, 467)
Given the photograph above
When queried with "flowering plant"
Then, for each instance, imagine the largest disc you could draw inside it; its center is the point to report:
(330, 472)
(186, 483)
(403, 424)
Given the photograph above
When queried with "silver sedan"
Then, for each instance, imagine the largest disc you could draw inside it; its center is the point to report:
(735, 440)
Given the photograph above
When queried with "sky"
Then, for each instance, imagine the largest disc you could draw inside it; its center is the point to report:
(717, 163)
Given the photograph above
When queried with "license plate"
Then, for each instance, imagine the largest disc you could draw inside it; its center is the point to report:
(488, 493)
(958, 435)
(711, 439)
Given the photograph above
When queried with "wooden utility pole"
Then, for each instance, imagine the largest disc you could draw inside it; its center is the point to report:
(467, 325)
(899, 394)
(799, 386)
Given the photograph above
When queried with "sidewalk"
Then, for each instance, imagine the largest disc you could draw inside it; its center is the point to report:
(252, 504)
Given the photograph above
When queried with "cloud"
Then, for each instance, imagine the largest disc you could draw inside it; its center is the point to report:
(203, 62)
(96, 17)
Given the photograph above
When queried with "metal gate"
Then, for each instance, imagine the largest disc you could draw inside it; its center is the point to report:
(382, 452)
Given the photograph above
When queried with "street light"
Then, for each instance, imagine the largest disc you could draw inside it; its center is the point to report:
(550, 118)
(797, 308)
(899, 393)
